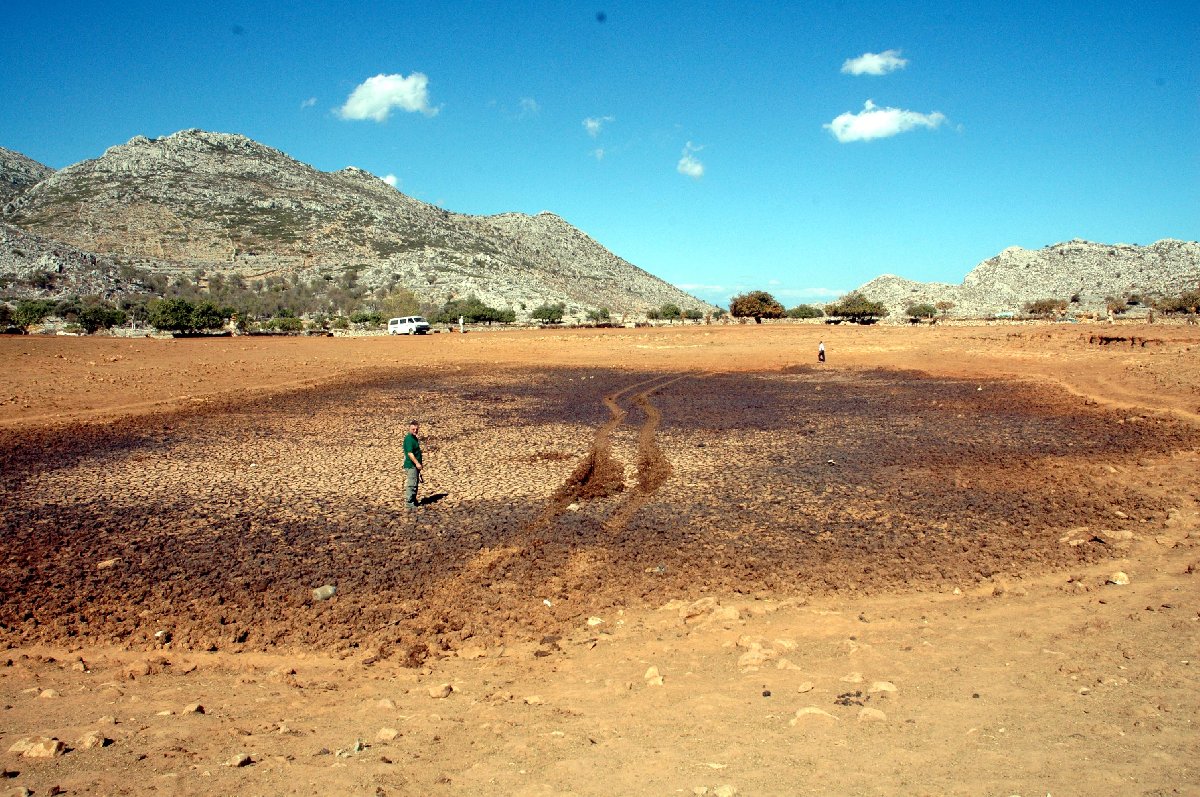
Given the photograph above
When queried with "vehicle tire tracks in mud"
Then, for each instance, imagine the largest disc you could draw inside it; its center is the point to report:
(653, 467)
(600, 474)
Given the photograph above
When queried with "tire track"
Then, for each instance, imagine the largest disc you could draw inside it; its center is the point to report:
(600, 474)
(653, 467)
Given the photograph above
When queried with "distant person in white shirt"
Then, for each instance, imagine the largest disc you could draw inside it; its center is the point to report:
(821, 352)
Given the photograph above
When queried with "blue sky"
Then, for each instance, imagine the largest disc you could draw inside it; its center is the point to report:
(801, 148)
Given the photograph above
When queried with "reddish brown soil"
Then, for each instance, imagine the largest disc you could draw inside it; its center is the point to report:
(712, 462)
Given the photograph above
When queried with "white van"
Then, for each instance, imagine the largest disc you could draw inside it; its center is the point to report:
(409, 325)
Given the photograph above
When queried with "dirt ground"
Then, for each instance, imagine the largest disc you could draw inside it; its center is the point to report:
(689, 560)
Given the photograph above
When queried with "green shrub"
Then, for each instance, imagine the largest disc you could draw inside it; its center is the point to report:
(366, 317)
(856, 307)
(923, 310)
(755, 304)
(1045, 308)
(1186, 302)
(549, 313)
(32, 311)
(805, 311)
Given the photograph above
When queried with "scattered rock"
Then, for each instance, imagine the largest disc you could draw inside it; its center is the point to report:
(387, 704)
(93, 739)
(725, 791)
(786, 664)
(38, 747)
(534, 700)
(324, 593)
(440, 691)
(107, 564)
(386, 735)
(653, 677)
(867, 714)
(807, 686)
(853, 678)
(594, 621)
(47, 694)
(811, 712)
(240, 760)
(882, 688)
(1119, 578)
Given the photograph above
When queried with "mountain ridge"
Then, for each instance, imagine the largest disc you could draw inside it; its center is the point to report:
(223, 203)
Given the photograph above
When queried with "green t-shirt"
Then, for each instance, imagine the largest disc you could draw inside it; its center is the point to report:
(411, 446)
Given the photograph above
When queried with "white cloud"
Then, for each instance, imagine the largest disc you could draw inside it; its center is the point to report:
(689, 165)
(594, 124)
(874, 63)
(391, 180)
(310, 102)
(875, 122)
(598, 153)
(376, 96)
(529, 107)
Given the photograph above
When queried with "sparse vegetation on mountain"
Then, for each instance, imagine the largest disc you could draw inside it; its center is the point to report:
(755, 304)
(266, 232)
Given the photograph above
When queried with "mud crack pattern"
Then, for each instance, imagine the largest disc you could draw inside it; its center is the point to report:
(214, 526)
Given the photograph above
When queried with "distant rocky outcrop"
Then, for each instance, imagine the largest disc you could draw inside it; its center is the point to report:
(1080, 270)
(18, 174)
(223, 203)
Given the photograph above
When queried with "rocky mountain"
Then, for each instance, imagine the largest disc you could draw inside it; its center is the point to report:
(18, 174)
(1089, 271)
(221, 203)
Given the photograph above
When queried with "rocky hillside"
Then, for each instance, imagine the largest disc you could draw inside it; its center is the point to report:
(35, 266)
(1090, 271)
(225, 204)
(18, 174)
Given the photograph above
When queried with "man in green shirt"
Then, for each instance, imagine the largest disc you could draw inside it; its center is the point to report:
(412, 464)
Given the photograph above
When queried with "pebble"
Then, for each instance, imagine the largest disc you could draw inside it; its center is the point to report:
(871, 715)
(725, 791)
(594, 621)
(240, 760)
(387, 734)
(48, 694)
(440, 691)
(324, 593)
(387, 704)
(1118, 578)
(807, 686)
(107, 564)
(534, 700)
(653, 677)
(193, 708)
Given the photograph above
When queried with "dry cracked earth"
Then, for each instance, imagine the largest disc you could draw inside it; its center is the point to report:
(795, 522)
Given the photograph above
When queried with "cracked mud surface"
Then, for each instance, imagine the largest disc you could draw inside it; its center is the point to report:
(800, 482)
